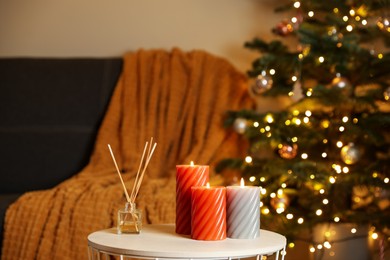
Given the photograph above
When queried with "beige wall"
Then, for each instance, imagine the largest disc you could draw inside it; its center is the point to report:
(96, 28)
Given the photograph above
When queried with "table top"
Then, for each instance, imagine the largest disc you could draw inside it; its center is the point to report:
(161, 241)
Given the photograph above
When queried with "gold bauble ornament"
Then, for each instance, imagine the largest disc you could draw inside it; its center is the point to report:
(288, 151)
(280, 201)
(350, 153)
(263, 83)
(343, 84)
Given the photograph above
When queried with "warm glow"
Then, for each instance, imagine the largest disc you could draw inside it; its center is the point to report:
(349, 28)
(300, 220)
(208, 185)
(322, 191)
(336, 219)
(269, 118)
(374, 236)
(312, 249)
(252, 178)
(310, 13)
(265, 211)
(289, 216)
(345, 119)
(242, 183)
(256, 124)
(324, 155)
(191, 163)
(325, 201)
(304, 156)
(321, 59)
(386, 180)
(319, 212)
(327, 245)
(332, 179)
(297, 4)
(248, 159)
(353, 230)
(339, 144)
(272, 71)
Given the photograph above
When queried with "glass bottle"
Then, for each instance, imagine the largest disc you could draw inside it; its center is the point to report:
(129, 219)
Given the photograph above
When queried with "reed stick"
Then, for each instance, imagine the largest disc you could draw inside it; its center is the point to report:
(119, 173)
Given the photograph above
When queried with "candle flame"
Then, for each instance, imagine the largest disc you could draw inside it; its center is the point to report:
(242, 183)
(192, 163)
(208, 185)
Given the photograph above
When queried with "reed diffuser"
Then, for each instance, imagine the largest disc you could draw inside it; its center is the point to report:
(130, 218)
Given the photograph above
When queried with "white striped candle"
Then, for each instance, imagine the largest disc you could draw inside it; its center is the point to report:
(243, 211)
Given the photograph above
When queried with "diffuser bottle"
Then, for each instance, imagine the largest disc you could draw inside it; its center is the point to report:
(129, 219)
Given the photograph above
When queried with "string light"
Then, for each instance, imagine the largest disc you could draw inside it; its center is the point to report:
(345, 18)
(364, 22)
(265, 211)
(332, 179)
(339, 144)
(304, 156)
(386, 180)
(294, 19)
(312, 249)
(267, 128)
(321, 59)
(319, 246)
(294, 139)
(310, 13)
(325, 201)
(252, 178)
(300, 220)
(341, 128)
(256, 124)
(322, 191)
(374, 236)
(269, 119)
(324, 155)
(309, 92)
(294, 78)
(336, 219)
(308, 113)
(349, 28)
(289, 216)
(327, 245)
(248, 159)
(345, 119)
(297, 4)
(262, 179)
(319, 212)
(272, 72)
(345, 169)
(353, 230)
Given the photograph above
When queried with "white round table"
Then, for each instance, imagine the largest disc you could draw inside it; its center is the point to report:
(161, 242)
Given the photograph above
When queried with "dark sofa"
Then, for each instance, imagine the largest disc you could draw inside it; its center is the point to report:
(50, 111)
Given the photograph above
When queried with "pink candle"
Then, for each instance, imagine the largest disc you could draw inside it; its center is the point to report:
(187, 176)
(208, 213)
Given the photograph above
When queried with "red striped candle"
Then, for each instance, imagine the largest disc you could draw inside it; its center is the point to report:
(208, 219)
(187, 176)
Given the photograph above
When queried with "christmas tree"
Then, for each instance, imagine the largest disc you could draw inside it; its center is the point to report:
(325, 156)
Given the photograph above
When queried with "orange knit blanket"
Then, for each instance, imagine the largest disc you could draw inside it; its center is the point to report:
(177, 97)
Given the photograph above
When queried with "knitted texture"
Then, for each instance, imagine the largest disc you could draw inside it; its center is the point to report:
(180, 99)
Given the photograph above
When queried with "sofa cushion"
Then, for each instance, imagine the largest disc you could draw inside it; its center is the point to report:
(50, 110)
